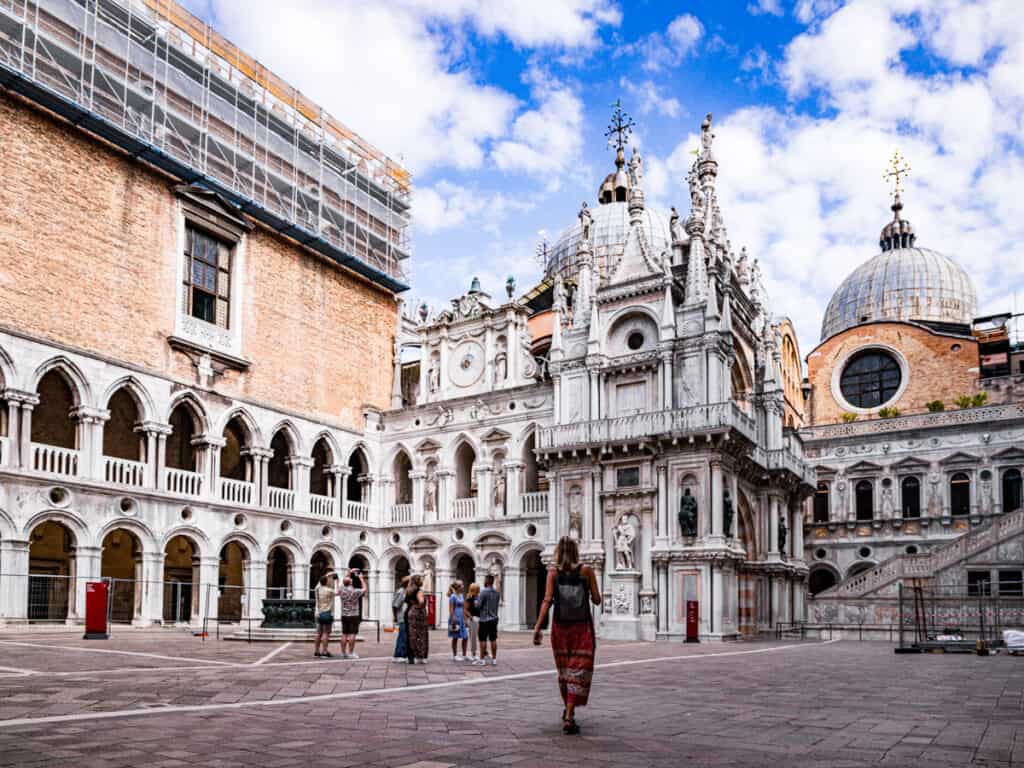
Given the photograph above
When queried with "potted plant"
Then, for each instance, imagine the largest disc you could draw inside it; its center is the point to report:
(935, 406)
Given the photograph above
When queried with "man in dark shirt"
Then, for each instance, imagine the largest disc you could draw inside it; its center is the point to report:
(487, 605)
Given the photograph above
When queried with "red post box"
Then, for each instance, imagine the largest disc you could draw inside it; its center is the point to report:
(431, 610)
(692, 621)
(96, 611)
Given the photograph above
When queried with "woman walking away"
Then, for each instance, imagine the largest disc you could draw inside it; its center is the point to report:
(416, 640)
(457, 621)
(473, 618)
(398, 614)
(572, 588)
(325, 594)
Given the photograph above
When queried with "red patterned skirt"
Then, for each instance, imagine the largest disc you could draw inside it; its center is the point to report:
(573, 646)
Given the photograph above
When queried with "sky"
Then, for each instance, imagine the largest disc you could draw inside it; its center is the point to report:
(499, 110)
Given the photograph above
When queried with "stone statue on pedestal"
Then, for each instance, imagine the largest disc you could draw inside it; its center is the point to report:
(499, 492)
(783, 531)
(625, 535)
(575, 513)
(727, 514)
(430, 497)
(428, 577)
(688, 514)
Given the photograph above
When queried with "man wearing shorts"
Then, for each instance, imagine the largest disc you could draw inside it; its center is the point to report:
(325, 594)
(351, 602)
(487, 605)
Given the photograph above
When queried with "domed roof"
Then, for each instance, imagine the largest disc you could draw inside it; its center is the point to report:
(903, 282)
(608, 234)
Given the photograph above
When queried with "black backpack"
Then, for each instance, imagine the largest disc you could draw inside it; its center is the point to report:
(572, 598)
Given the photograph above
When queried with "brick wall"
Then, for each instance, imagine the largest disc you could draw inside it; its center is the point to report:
(88, 253)
(936, 371)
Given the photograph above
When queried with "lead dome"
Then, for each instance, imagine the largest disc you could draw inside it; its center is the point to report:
(902, 283)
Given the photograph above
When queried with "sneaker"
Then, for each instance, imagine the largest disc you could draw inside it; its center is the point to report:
(345, 656)
(327, 655)
(316, 654)
(421, 661)
(474, 658)
(494, 662)
(353, 655)
(408, 661)
(479, 662)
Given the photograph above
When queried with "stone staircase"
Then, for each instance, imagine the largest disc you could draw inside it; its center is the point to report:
(926, 566)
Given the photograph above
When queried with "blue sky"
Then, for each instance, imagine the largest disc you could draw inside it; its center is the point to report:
(499, 110)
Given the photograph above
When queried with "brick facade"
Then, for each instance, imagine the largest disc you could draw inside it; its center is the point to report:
(89, 244)
(939, 367)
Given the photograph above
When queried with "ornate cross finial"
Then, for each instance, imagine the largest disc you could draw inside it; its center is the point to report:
(620, 128)
(898, 168)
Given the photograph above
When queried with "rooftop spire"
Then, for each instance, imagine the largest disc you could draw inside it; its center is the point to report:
(898, 233)
(615, 188)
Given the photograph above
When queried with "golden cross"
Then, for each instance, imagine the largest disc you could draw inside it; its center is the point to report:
(898, 169)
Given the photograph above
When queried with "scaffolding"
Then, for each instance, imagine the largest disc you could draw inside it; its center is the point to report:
(164, 86)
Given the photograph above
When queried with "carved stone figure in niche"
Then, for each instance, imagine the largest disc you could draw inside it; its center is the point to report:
(428, 576)
(499, 491)
(887, 503)
(434, 376)
(430, 494)
(935, 494)
(688, 514)
(625, 536)
(586, 220)
(783, 533)
(558, 296)
(727, 514)
(986, 492)
(500, 369)
(576, 512)
(621, 602)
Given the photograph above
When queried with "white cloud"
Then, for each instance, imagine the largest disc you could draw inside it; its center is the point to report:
(447, 205)
(545, 141)
(649, 98)
(391, 70)
(665, 51)
(762, 7)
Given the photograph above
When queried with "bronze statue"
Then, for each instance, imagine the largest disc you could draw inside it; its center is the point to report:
(688, 514)
(727, 514)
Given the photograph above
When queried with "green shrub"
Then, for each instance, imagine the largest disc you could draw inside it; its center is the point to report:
(935, 406)
(979, 399)
(848, 417)
(888, 413)
(964, 401)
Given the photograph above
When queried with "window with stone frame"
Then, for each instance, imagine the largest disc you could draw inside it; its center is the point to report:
(979, 583)
(910, 497)
(1011, 583)
(821, 503)
(207, 278)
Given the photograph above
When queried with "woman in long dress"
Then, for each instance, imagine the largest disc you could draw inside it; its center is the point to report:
(571, 588)
(417, 639)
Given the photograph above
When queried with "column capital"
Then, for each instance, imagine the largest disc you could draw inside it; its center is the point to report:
(22, 397)
(300, 461)
(257, 453)
(514, 465)
(417, 475)
(208, 441)
(339, 470)
(153, 427)
(14, 544)
(89, 415)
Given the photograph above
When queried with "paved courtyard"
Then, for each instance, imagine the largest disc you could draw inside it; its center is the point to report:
(165, 698)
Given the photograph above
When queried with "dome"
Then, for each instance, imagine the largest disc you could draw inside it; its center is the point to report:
(608, 234)
(902, 283)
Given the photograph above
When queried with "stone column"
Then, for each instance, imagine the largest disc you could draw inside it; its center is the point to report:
(89, 440)
(256, 589)
(139, 586)
(261, 461)
(208, 463)
(298, 577)
(773, 527)
(484, 496)
(443, 580)
(207, 584)
(152, 588)
(554, 531)
(25, 433)
(14, 591)
(339, 478)
(668, 402)
(442, 386)
(796, 533)
(300, 466)
(444, 493)
(513, 616)
(513, 487)
(418, 482)
(594, 406)
(87, 568)
(663, 525)
(716, 499)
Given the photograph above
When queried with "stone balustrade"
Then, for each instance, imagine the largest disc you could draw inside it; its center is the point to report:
(682, 422)
(183, 482)
(55, 461)
(237, 491)
(400, 514)
(321, 506)
(464, 509)
(357, 511)
(281, 498)
(124, 472)
(535, 503)
(916, 421)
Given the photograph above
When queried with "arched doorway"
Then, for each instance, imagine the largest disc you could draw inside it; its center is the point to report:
(279, 567)
(534, 580)
(820, 579)
(464, 570)
(320, 564)
(400, 569)
(121, 561)
(234, 557)
(181, 565)
(51, 569)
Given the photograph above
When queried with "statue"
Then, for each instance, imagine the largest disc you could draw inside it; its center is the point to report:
(625, 535)
(935, 495)
(430, 497)
(688, 514)
(636, 168)
(558, 295)
(586, 221)
(696, 198)
(428, 577)
(435, 376)
(500, 368)
(575, 513)
(675, 227)
(706, 137)
(727, 514)
(783, 531)
(887, 503)
(499, 491)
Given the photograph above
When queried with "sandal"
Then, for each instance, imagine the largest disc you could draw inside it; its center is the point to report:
(570, 728)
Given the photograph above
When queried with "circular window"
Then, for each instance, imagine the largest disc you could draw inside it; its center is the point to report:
(635, 340)
(911, 549)
(531, 530)
(395, 538)
(325, 532)
(864, 551)
(285, 526)
(886, 482)
(986, 475)
(127, 506)
(239, 521)
(186, 513)
(459, 534)
(820, 553)
(417, 422)
(362, 537)
(955, 347)
(870, 378)
(512, 406)
(58, 496)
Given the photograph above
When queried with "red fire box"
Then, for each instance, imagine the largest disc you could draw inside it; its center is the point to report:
(431, 610)
(96, 611)
(692, 621)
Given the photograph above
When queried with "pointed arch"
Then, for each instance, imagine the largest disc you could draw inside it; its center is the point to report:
(325, 438)
(138, 392)
(250, 428)
(401, 475)
(72, 375)
(292, 434)
(195, 408)
(464, 459)
(8, 374)
(359, 468)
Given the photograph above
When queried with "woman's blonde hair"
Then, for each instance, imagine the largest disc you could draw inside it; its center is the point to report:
(474, 590)
(567, 554)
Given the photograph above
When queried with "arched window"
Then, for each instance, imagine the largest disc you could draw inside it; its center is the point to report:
(465, 459)
(910, 497)
(820, 580)
(181, 454)
(357, 479)
(279, 474)
(960, 494)
(234, 463)
(865, 499)
(120, 440)
(821, 503)
(870, 378)
(51, 419)
(319, 479)
(1011, 496)
(402, 472)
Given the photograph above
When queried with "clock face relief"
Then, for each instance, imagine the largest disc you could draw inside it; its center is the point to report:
(467, 364)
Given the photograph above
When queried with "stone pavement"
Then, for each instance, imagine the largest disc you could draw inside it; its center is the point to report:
(165, 698)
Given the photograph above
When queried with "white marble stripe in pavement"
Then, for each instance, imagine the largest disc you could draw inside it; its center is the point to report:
(112, 651)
